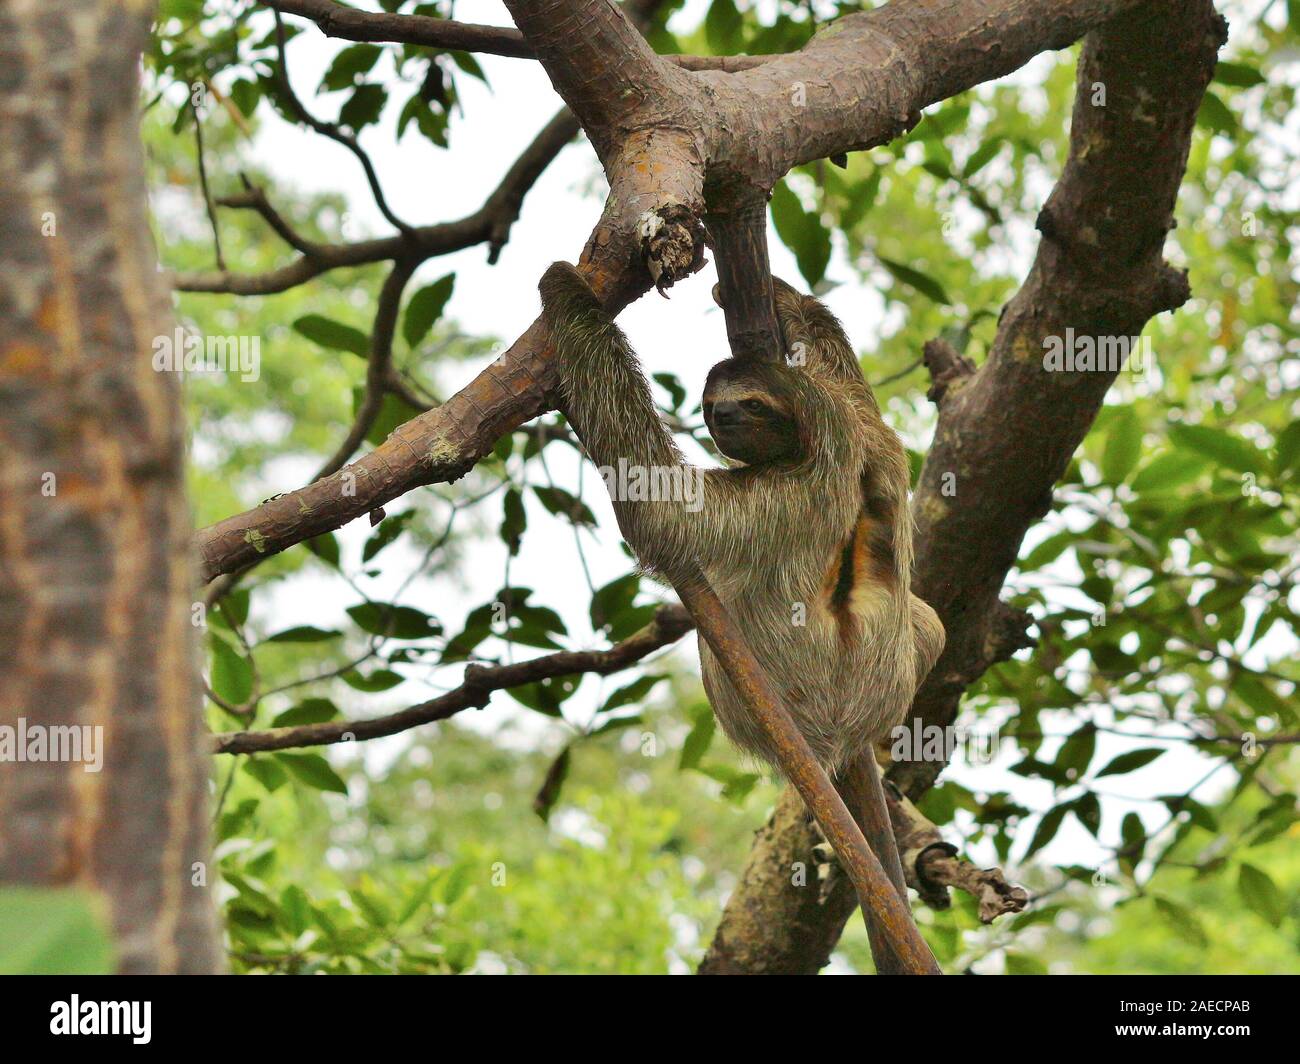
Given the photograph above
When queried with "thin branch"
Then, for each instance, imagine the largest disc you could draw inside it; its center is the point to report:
(254, 198)
(335, 20)
(491, 223)
(330, 129)
(669, 624)
(203, 183)
(378, 368)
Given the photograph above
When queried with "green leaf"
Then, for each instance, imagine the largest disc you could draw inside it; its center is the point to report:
(349, 64)
(246, 95)
(1048, 551)
(325, 547)
(1134, 837)
(395, 622)
(1198, 813)
(615, 724)
(53, 931)
(313, 770)
(612, 599)
(1238, 75)
(1260, 893)
(1259, 695)
(364, 107)
(982, 156)
(455, 885)
(514, 521)
(308, 711)
(698, 739)
(1183, 921)
(388, 531)
(631, 693)
(1087, 811)
(303, 633)
(1288, 444)
(232, 673)
(1215, 116)
(467, 63)
(546, 696)
(425, 308)
(1123, 446)
(722, 27)
(861, 198)
(674, 387)
(266, 771)
(379, 680)
(802, 232)
(1047, 829)
(1076, 752)
(1168, 471)
(295, 910)
(332, 334)
(564, 504)
(549, 792)
(923, 283)
(1228, 450)
(1130, 762)
(1024, 964)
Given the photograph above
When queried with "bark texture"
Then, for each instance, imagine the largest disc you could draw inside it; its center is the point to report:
(95, 565)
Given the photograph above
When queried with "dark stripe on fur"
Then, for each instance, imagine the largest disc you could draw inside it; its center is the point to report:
(844, 579)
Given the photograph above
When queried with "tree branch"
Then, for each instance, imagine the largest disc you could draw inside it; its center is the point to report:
(335, 20)
(669, 624)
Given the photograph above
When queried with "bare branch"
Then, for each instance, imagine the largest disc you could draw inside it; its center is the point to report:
(254, 198)
(203, 183)
(491, 223)
(330, 129)
(335, 20)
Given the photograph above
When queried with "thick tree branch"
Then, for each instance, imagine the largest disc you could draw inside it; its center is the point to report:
(739, 241)
(600, 65)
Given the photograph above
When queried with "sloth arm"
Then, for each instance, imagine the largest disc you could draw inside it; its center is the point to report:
(606, 396)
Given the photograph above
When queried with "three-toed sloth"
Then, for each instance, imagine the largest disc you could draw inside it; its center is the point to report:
(807, 537)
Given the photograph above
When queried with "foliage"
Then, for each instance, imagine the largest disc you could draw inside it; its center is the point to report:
(1163, 582)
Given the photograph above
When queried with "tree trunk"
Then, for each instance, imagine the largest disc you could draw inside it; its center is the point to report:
(96, 580)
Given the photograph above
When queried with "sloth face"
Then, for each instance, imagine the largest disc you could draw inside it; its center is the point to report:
(750, 414)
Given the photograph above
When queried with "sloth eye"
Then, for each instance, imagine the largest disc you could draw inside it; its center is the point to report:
(754, 406)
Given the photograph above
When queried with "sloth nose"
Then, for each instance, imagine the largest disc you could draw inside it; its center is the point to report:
(726, 414)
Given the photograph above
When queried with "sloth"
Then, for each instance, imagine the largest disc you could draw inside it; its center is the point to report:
(806, 535)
